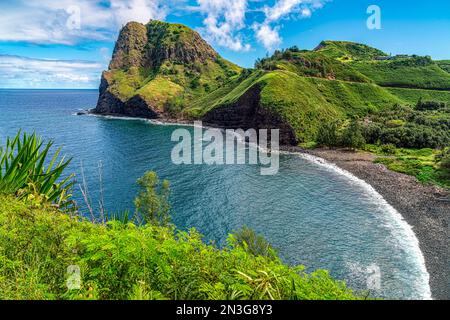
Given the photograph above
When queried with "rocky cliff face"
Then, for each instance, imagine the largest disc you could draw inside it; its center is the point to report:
(247, 113)
(160, 67)
(130, 47)
(108, 103)
(143, 52)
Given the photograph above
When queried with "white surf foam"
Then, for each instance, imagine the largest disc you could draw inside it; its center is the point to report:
(403, 230)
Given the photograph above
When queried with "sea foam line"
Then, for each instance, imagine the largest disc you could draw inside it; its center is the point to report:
(410, 238)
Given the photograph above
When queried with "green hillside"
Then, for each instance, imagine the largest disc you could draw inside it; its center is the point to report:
(418, 72)
(412, 96)
(305, 88)
(444, 64)
(304, 102)
(171, 71)
(348, 51)
(311, 64)
(389, 71)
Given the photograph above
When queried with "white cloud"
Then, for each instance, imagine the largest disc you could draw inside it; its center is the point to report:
(49, 21)
(137, 10)
(69, 22)
(280, 9)
(17, 71)
(267, 36)
(306, 12)
(224, 20)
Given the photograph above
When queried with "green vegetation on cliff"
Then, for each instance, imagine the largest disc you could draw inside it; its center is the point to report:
(125, 261)
(179, 75)
(412, 96)
(444, 64)
(410, 72)
(162, 62)
(49, 252)
(348, 51)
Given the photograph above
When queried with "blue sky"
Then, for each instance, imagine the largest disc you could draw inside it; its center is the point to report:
(67, 43)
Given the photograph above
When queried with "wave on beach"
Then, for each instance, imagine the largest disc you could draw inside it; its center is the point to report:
(394, 220)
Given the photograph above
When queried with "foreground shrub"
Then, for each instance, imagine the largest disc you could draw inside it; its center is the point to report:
(328, 135)
(125, 261)
(252, 242)
(152, 202)
(27, 170)
(352, 136)
(445, 159)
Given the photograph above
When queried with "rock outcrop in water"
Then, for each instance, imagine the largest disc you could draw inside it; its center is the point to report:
(164, 70)
(160, 70)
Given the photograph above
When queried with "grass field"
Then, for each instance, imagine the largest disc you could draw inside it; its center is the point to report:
(403, 74)
(412, 96)
(420, 163)
(338, 80)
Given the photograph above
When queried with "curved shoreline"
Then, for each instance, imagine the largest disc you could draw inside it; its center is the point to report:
(425, 208)
(402, 229)
(419, 206)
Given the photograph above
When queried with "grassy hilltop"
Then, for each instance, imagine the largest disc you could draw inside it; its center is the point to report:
(167, 66)
(341, 94)
(168, 70)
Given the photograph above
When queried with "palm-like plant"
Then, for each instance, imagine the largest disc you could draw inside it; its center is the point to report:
(26, 169)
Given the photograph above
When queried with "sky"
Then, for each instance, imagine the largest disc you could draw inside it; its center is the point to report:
(67, 43)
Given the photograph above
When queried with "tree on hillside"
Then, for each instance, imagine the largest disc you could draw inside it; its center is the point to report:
(252, 242)
(352, 136)
(445, 160)
(327, 135)
(152, 202)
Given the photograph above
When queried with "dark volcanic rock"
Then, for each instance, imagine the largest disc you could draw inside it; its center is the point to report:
(108, 103)
(247, 113)
(149, 47)
(129, 50)
(139, 107)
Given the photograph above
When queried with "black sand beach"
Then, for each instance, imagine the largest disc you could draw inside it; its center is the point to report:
(425, 207)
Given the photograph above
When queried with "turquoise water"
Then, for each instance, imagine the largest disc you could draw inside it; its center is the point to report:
(311, 212)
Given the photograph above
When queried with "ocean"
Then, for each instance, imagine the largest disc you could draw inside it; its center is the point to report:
(313, 213)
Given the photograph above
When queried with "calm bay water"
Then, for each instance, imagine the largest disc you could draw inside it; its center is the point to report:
(310, 212)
